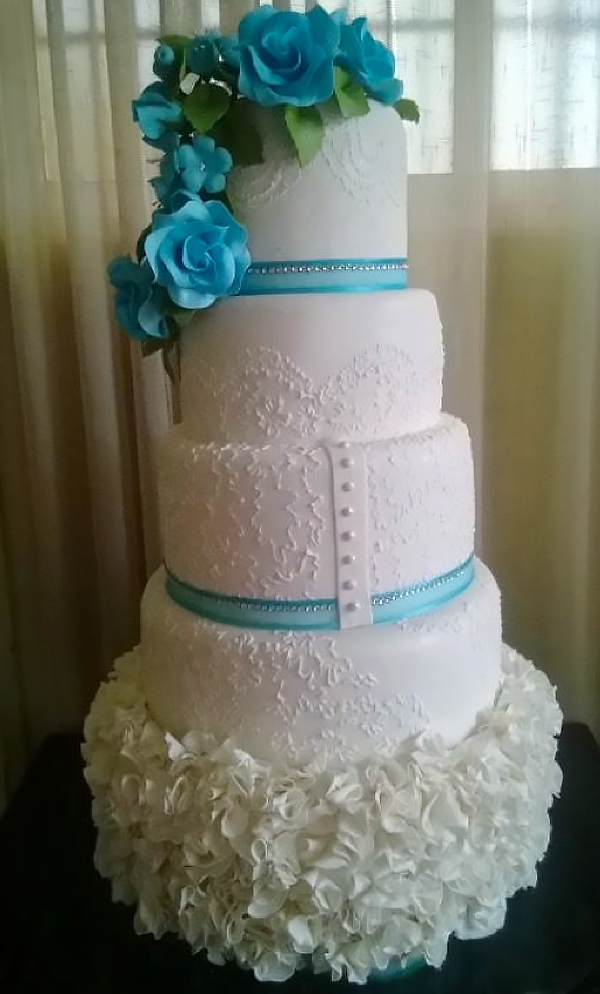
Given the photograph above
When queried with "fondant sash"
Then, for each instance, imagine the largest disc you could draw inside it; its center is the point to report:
(325, 276)
(280, 615)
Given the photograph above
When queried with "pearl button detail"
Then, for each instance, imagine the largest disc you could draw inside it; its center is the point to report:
(349, 477)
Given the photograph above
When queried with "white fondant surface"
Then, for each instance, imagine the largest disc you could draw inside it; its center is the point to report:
(354, 367)
(338, 695)
(359, 176)
(260, 521)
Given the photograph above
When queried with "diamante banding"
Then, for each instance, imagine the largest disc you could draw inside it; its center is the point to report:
(324, 276)
(280, 614)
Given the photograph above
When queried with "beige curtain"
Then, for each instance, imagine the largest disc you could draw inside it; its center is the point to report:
(504, 212)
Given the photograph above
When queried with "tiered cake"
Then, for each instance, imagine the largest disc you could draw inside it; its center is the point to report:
(320, 748)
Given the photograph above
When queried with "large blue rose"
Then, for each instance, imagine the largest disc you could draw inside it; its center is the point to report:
(287, 58)
(157, 116)
(369, 62)
(139, 302)
(198, 253)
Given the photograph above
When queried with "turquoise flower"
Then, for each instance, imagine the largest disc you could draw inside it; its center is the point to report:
(287, 58)
(192, 167)
(139, 302)
(157, 116)
(369, 62)
(198, 253)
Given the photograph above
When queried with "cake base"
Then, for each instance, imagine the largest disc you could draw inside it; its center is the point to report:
(274, 864)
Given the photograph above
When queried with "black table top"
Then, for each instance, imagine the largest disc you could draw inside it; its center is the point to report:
(60, 931)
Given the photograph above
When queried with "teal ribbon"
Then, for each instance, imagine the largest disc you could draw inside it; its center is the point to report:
(325, 276)
(323, 614)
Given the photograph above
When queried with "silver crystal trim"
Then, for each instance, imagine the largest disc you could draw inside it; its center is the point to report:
(335, 266)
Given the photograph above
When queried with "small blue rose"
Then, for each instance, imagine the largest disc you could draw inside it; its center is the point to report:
(157, 116)
(202, 56)
(369, 62)
(198, 253)
(139, 301)
(164, 62)
(287, 58)
(193, 167)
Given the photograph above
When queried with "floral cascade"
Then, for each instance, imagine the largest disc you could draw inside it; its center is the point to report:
(194, 252)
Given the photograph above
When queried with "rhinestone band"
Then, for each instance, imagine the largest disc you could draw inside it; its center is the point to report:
(324, 276)
(379, 600)
(323, 613)
(278, 269)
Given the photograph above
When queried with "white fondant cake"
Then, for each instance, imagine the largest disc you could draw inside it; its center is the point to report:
(320, 749)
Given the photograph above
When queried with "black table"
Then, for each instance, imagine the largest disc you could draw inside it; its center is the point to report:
(59, 930)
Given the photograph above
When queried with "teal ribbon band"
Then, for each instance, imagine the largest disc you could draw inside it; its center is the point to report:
(325, 276)
(323, 614)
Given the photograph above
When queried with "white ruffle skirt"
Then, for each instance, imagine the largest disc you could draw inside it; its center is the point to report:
(277, 866)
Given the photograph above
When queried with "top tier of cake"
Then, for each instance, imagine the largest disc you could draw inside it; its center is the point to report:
(348, 203)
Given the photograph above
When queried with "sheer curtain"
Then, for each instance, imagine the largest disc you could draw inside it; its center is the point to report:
(504, 205)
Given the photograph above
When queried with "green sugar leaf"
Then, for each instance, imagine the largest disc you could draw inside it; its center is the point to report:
(408, 110)
(350, 96)
(181, 315)
(205, 105)
(152, 345)
(237, 132)
(305, 126)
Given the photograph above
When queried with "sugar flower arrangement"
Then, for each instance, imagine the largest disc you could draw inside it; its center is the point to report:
(194, 251)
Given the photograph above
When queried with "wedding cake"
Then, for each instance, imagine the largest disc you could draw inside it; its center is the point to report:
(320, 751)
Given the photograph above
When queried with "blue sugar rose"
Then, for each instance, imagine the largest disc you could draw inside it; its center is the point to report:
(369, 62)
(197, 166)
(157, 116)
(287, 58)
(139, 301)
(198, 253)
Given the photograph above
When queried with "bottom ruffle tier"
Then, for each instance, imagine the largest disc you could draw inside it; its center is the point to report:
(278, 865)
